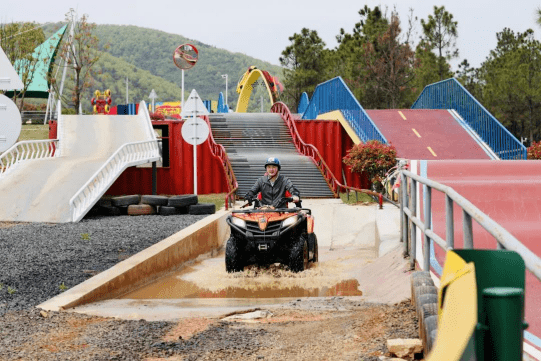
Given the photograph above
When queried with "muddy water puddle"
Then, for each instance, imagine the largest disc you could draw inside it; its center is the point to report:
(175, 288)
(208, 279)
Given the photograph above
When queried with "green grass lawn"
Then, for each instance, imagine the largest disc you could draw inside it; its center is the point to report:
(362, 198)
(216, 198)
(34, 132)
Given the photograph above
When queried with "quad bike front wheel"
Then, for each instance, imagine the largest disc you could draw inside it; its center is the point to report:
(234, 261)
(299, 256)
(313, 241)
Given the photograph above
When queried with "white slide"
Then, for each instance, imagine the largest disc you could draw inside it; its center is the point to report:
(94, 150)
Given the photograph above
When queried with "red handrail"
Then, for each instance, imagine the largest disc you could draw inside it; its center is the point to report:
(219, 151)
(311, 151)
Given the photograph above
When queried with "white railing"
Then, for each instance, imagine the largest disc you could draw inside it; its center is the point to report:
(130, 154)
(27, 150)
(143, 111)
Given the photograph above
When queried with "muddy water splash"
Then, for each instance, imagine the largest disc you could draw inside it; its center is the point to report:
(208, 279)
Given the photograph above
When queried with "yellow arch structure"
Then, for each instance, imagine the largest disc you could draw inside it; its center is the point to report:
(245, 87)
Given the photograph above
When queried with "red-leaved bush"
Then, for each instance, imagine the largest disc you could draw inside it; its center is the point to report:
(533, 152)
(157, 116)
(372, 158)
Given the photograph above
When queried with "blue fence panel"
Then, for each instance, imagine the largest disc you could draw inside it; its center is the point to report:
(450, 94)
(303, 103)
(333, 95)
(221, 107)
(207, 104)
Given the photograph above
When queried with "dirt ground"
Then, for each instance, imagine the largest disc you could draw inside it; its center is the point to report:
(336, 328)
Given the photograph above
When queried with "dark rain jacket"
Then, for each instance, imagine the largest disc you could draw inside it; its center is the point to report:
(272, 194)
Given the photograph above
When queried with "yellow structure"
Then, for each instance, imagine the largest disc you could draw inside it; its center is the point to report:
(338, 115)
(245, 86)
(457, 321)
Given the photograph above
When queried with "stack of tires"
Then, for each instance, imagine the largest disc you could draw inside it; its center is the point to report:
(135, 205)
(425, 297)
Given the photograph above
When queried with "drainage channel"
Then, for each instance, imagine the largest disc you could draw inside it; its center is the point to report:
(203, 288)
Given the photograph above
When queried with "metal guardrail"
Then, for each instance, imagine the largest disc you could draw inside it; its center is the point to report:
(311, 151)
(130, 154)
(219, 151)
(409, 208)
(333, 95)
(450, 94)
(27, 150)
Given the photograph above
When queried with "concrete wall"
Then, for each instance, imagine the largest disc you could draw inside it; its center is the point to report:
(199, 238)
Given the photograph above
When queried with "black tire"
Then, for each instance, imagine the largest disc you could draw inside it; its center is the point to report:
(419, 274)
(234, 262)
(183, 200)
(428, 310)
(154, 200)
(299, 256)
(424, 299)
(123, 210)
(430, 326)
(182, 210)
(421, 279)
(141, 209)
(424, 290)
(431, 340)
(125, 200)
(313, 242)
(167, 211)
(110, 211)
(104, 202)
(202, 208)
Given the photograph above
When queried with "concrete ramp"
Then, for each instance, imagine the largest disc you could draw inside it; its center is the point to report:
(40, 190)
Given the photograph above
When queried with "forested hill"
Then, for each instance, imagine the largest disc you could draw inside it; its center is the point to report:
(145, 56)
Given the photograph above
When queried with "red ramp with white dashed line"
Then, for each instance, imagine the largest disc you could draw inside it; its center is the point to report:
(426, 134)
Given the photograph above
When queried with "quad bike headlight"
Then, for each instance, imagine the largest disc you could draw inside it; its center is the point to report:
(289, 221)
(239, 222)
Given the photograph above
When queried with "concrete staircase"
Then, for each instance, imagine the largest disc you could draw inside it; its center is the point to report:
(251, 138)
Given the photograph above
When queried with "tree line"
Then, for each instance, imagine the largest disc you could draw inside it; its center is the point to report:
(107, 55)
(386, 69)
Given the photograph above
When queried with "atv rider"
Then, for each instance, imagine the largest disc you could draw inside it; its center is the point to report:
(273, 187)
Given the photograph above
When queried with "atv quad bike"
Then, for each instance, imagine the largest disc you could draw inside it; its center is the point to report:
(265, 235)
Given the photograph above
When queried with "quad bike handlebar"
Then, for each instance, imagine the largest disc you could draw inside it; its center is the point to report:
(257, 204)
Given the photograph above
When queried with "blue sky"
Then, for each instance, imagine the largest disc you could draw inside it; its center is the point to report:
(261, 29)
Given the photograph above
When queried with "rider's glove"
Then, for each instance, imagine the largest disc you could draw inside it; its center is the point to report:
(248, 200)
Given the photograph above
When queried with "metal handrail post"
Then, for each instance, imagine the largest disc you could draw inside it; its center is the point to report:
(468, 242)
(413, 210)
(449, 222)
(427, 224)
(404, 217)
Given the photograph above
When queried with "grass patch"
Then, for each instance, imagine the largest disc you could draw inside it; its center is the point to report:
(34, 132)
(362, 198)
(216, 198)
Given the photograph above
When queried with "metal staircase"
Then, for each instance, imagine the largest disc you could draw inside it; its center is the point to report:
(251, 138)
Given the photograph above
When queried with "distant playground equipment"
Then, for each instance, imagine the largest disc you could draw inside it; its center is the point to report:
(101, 102)
(245, 86)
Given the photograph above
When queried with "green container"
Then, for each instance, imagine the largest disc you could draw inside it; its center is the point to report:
(502, 324)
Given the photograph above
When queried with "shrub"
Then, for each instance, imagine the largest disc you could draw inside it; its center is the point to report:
(372, 158)
(533, 152)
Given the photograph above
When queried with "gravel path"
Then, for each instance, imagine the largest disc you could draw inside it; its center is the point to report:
(39, 260)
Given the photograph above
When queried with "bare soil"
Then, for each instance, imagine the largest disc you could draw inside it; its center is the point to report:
(335, 328)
